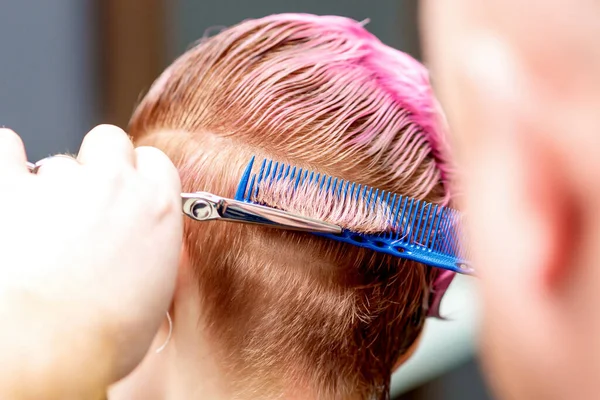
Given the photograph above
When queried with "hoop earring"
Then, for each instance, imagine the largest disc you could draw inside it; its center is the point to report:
(161, 348)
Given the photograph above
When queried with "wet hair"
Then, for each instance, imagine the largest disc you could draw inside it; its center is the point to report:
(284, 309)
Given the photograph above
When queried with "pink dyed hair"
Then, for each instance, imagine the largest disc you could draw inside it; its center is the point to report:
(324, 94)
(403, 78)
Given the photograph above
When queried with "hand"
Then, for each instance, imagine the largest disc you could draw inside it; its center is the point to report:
(90, 249)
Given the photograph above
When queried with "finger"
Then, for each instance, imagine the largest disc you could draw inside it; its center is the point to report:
(105, 146)
(12, 153)
(155, 166)
(57, 165)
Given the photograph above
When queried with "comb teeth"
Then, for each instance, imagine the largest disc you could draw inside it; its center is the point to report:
(410, 228)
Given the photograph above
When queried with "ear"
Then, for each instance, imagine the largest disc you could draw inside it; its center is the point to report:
(520, 195)
(555, 211)
(440, 286)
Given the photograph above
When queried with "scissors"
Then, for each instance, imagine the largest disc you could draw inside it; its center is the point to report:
(203, 206)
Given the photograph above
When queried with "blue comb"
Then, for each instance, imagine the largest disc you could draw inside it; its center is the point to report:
(419, 231)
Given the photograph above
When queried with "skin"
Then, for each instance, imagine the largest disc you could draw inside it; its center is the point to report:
(191, 353)
(520, 85)
(80, 235)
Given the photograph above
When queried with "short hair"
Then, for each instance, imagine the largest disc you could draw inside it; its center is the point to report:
(285, 308)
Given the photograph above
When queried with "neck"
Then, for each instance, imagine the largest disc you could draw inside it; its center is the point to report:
(190, 365)
(186, 368)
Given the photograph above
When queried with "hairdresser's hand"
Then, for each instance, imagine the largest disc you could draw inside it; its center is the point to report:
(88, 261)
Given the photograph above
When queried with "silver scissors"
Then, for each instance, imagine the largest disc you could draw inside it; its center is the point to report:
(203, 206)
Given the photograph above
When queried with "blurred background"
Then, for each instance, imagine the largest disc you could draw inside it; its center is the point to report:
(67, 65)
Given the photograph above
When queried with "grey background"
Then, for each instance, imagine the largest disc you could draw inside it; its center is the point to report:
(391, 20)
(47, 74)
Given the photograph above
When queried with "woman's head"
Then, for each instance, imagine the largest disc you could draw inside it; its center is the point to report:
(288, 309)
